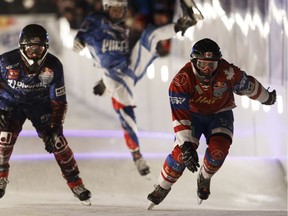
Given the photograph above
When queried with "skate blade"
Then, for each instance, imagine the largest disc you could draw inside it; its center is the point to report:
(86, 202)
(199, 201)
(151, 206)
(148, 177)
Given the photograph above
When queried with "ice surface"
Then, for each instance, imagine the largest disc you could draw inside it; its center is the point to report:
(244, 186)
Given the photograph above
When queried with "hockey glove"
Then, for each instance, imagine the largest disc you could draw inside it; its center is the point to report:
(50, 140)
(271, 99)
(190, 156)
(78, 46)
(99, 88)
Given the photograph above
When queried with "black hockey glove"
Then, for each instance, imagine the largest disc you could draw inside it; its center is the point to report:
(272, 98)
(190, 156)
(99, 88)
(50, 139)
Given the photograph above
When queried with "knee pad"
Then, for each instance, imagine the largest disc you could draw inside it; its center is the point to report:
(218, 148)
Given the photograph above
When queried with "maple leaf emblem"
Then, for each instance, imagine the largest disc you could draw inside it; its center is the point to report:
(229, 73)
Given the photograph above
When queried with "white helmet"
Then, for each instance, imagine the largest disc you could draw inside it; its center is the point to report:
(109, 3)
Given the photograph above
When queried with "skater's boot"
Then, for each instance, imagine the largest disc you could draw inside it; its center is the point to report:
(203, 190)
(158, 195)
(190, 9)
(142, 166)
(140, 163)
(79, 191)
(183, 24)
(3, 183)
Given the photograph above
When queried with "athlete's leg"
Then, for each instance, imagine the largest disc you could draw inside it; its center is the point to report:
(40, 117)
(220, 133)
(128, 122)
(10, 128)
(219, 138)
(172, 170)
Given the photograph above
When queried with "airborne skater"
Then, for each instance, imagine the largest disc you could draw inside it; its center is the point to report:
(107, 38)
(201, 99)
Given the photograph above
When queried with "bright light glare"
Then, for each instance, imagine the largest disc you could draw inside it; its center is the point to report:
(65, 34)
(164, 73)
(266, 108)
(151, 71)
(85, 52)
(280, 104)
(255, 105)
(245, 102)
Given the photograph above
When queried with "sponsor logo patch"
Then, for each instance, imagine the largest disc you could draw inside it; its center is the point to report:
(177, 100)
(13, 74)
(180, 79)
(60, 91)
(46, 75)
(5, 137)
(219, 88)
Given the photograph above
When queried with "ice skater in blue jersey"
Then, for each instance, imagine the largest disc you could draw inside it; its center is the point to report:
(32, 87)
(106, 36)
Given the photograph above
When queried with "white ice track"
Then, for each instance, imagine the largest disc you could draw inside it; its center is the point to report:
(244, 186)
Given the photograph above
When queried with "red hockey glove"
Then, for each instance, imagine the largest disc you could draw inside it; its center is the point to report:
(190, 156)
(271, 99)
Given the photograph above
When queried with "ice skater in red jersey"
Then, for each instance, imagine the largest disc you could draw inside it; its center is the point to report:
(202, 98)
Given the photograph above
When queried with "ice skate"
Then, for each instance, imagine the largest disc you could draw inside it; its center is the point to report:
(142, 167)
(203, 190)
(191, 10)
(189, 18)
(3, 183)
(82, 194)
(157, 196)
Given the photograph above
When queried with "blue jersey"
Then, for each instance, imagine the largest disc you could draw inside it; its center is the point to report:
(18, 87)
(109, 41)
(124, 66)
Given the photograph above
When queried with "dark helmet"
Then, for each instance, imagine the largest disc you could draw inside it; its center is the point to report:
(204, 57)
(33, 45)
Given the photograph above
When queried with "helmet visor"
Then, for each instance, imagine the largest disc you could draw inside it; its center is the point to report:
(206, 66)
(34, 51)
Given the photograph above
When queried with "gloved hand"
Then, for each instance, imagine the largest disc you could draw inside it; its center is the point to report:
(271, 99)
(50, 139)
(190, 156)
(78, 46)
(99, 88)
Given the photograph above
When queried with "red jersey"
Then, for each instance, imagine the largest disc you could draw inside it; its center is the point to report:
(187, 94)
